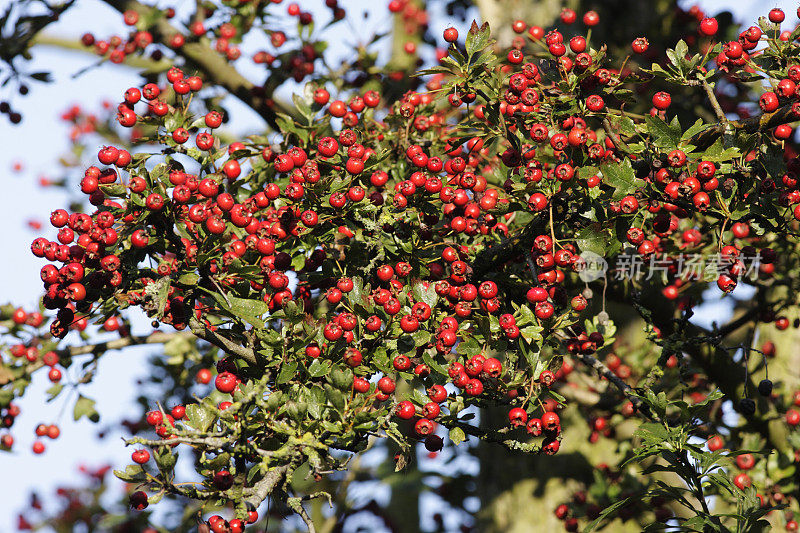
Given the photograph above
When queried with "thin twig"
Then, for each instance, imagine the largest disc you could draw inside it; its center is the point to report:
(623, 387)
(712, 98)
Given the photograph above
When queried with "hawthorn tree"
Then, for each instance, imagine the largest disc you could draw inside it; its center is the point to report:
(498, 256)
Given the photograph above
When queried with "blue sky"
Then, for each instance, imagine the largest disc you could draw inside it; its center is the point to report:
(37, 143)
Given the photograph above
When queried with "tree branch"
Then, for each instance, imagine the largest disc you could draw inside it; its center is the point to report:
(297, 506)
(266, 485)
(210, 442)
(221, 342)
(765, 121)
(77, 46)
(157, 337)
(712, 98)
(624, 388)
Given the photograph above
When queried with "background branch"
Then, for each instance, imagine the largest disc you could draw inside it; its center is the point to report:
(214, 67)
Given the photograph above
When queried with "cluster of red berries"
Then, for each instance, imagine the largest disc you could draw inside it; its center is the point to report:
(87, 272)
(9, 414)
(51, 431)
(217, 524)
(30, 350)
(745, 463)
(117, 48)
(82, 123)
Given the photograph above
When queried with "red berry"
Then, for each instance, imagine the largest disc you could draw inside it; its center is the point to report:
(708, 26)
(360, 385)
(591, 18)
(405, 410)
(140, 456)
(776, 15)
(517, 417)
(662, 100)
(225, 382)
(640, 45)
(550, 421)
(450, 35)
(386, 385)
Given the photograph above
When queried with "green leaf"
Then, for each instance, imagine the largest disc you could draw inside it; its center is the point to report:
(678, 56)
(319, 368)
(303, 107)
(165, 459)
(592, 239)
(428, 359)
(335, 397)
(623, 124)
(316, 399)
(85, 407)
(433, 70)
(423, 294)
(665, 136)
(469, 347)
(526, 316)
(694, 129)
(288, 125)
(246, 309)
(621, 177)
(717, 153)
(356, 295)
(288, 371)
(652, 432)
(342, 379)
(608, 511)
(199, 417)
(158, 292)
(533, 358)
(190, 278)
(421, 337)
(457, 435)
(681, 49)
(531, 333)
(477, 38)
(6, 395)
(587, 172)
(722, 481)
(657, 70)
(54, 391)
(131, 474)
